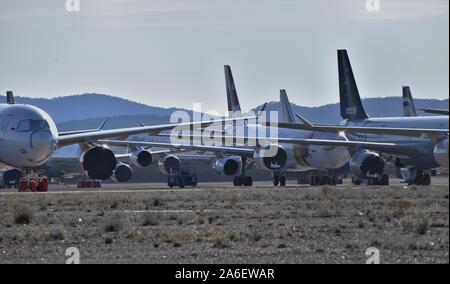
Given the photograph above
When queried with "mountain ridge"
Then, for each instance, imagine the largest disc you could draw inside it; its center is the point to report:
(70, 112)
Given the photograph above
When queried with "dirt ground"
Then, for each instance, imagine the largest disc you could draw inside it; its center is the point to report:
(217, 223)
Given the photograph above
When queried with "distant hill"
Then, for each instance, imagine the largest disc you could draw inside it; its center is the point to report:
(375, 107)
(114, 122)
(88, 110)
(87, 106)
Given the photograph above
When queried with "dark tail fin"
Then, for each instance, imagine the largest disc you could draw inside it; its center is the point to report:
(409, 109)
(287, 115)
(351, 105)
(234, 106)
(10, 98)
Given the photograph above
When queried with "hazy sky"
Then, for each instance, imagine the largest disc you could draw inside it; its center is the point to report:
(172, 52)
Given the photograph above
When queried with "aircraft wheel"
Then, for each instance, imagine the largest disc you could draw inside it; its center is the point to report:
(385, 180)
(42, 186)
(276, 181)
(427, 180)
(283, 181)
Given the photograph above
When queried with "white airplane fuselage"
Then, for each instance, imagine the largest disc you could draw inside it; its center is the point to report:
(301, 157)
(28, 136)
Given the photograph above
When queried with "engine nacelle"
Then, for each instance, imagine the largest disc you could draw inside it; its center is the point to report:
(366, 163)
(141, 158)
(441, 153)
(168, 163)
(228, 166)
(271, 158)
(11, 177)
(122, 173)
(99, 162)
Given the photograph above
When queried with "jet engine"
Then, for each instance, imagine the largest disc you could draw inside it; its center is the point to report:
(271, 158)
(169, 162)
(141, 158)
(366, 163)
(441, 153)
(228, 166)
(11, 177)
(122, 173)
(99, 162)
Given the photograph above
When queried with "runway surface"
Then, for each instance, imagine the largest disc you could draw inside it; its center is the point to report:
(217, 223)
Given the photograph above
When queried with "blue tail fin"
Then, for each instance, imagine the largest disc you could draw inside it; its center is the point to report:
(351, 105)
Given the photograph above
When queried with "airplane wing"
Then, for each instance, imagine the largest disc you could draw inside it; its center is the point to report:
(240, 151)
(247, 151)
(125, 132)
(435, 111)
(410, 132)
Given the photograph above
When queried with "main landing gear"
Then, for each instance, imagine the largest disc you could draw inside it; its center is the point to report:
(416, 177)
(243, 179)
(279, 180)
(89, 184)
(30, 184)
(374, 180)
(325, 180)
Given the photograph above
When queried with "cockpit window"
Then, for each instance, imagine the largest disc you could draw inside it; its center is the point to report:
(29, 125)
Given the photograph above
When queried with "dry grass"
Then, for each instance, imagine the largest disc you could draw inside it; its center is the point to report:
(225, 225)
(23, 215)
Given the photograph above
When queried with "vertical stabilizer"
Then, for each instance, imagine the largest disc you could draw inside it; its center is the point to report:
(287, 115)
(234, 107)
(409, 109)
(351, 105)
(10, 98)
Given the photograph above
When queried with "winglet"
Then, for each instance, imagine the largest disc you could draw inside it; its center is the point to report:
(261, 111)
(102, 125)
(306, 122)
(10, 98)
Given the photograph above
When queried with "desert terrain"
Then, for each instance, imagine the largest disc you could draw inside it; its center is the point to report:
(216, 223)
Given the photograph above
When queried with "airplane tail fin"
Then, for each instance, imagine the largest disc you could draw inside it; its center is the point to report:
(234, 107)
(351, 105)
(409, 109)
(287, 115)
(10, 98)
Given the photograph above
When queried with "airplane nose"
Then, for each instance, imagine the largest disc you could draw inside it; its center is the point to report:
(42, 143)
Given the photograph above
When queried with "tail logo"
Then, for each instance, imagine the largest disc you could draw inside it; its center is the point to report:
(373, 6)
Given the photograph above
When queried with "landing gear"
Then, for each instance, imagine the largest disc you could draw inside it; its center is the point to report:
(89, 184)
(421, 179)
(279, 180)
(416, 177)
(243, 179)
(28, 184)
(383, 180)
(317, 180)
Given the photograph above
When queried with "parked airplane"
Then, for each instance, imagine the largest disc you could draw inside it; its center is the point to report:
(28, 138)
(421, 143)
(313, 150)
